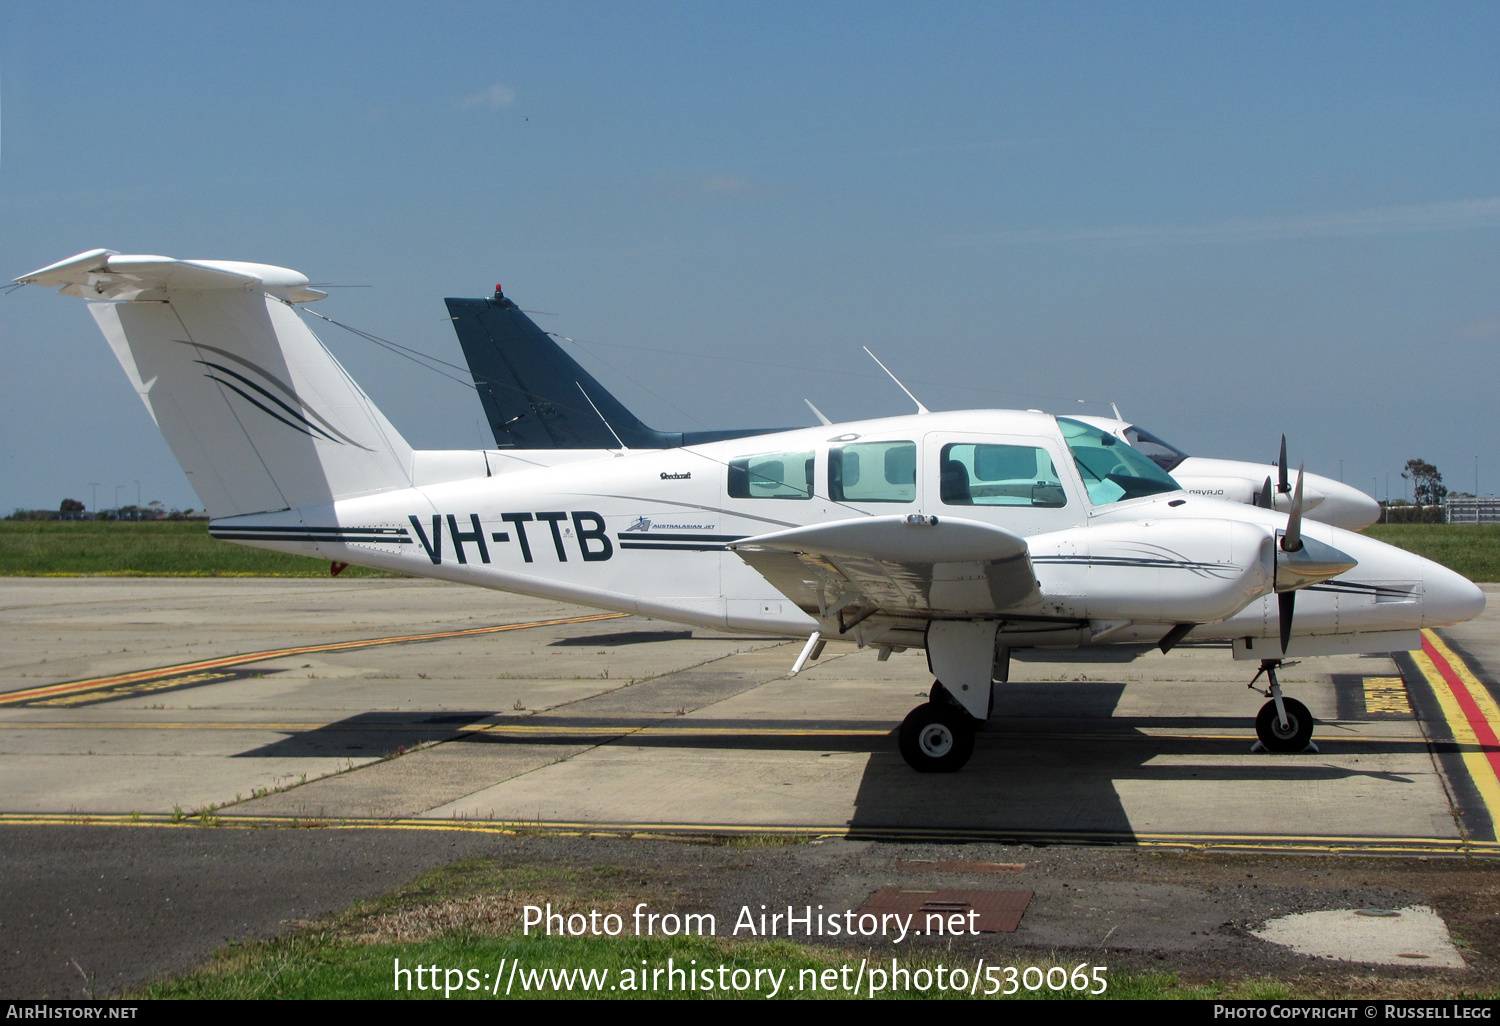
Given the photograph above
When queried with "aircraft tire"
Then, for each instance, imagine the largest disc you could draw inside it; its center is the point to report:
(1299, 727)
(942, 696)
(936, 738)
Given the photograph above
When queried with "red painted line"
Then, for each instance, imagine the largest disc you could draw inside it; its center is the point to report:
(71, 687)
(1484, 731)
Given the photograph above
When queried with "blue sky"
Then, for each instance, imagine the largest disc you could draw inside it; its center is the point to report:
(1233, 220)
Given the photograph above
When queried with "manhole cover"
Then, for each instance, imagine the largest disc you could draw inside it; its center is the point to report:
(933, 911)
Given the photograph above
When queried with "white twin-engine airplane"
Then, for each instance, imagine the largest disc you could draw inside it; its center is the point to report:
(536, 396)
(968, 534)
(1323, 499)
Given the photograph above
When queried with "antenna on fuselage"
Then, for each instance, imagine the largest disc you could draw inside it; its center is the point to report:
(1112, 406)
(817, 412)
(623, 446)
(920, 407)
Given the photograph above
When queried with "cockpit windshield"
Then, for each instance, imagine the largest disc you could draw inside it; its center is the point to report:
(1165, 456)
(1111, 469)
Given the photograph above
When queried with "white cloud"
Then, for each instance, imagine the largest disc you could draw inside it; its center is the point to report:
(1452, 215)
(496, 96)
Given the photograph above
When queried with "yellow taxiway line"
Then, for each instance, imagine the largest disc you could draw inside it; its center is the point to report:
(210, 819)
(199, 666)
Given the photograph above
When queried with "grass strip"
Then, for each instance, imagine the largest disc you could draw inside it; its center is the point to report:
(320, 966)
(160, 548)
(1471, 549)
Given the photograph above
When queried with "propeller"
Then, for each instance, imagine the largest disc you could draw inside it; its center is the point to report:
(1264, 499)
(1281, 484)
(1291, 542)
(1301, 561)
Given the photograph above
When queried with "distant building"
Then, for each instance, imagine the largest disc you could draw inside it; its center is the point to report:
(1467, 509)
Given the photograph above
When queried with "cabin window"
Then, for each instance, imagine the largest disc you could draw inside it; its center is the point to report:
(873, 472)
(777, 475)
(981, 474)
(1112, 470)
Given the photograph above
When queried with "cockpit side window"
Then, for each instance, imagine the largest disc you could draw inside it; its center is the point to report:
(776, 475)
(1165, 456)
(983, 474)
(1111, 470)
(873, 472)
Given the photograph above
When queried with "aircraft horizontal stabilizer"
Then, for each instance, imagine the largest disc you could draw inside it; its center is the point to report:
(910, 566)
(105, 274)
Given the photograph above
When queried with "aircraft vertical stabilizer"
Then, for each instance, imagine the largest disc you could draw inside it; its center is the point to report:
(257, 411)
(530, 387)
(533, 392)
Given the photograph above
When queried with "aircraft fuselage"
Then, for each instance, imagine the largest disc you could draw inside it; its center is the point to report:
(647, 532)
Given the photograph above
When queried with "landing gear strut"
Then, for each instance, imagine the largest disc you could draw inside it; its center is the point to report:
(1283, 724)
(938, 736)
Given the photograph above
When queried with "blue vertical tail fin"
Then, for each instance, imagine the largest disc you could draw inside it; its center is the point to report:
(533, 392)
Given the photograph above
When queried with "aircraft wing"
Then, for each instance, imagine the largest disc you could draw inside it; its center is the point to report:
(914, 565)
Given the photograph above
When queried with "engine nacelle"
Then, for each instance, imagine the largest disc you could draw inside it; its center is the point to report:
(1155, 571)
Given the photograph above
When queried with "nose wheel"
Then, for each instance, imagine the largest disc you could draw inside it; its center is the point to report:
(1292, 735)
(936, 737)
(1283, 724)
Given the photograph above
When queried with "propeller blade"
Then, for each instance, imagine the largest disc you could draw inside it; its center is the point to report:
(1292, 540)
(1300, 561)
(1281, 485)
(1286, 600)
(1264, 499)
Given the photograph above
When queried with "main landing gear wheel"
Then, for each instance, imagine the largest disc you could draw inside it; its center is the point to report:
(936, 738)
(940, 695)
(1294, 737)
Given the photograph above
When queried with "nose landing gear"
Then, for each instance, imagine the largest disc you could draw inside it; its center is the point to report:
(1283, 724)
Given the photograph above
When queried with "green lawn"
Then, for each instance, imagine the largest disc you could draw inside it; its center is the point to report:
(161, 548)
(1472, 550)
(317, 966)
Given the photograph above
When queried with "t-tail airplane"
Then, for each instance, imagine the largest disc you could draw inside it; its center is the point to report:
(536, 396)
(968, 534)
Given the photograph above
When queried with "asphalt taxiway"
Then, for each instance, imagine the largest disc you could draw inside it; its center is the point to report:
(417, 709)
(415, 700)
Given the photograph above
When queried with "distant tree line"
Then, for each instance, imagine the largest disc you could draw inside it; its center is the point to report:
(72, 509)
